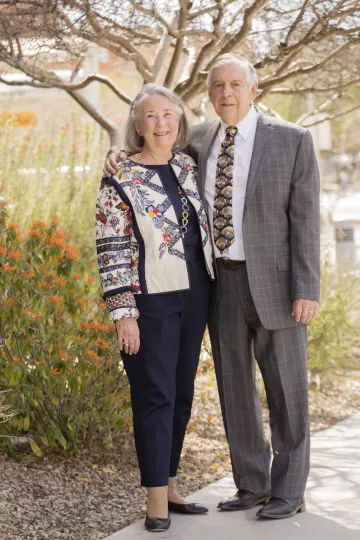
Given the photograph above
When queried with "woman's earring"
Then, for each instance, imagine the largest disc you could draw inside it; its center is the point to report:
(139, 133)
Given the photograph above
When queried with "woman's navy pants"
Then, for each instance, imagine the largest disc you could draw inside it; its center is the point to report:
(162, 373)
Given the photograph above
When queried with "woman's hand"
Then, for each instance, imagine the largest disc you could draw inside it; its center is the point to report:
(128, 335)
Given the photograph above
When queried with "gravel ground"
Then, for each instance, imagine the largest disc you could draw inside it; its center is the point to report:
(92, 497)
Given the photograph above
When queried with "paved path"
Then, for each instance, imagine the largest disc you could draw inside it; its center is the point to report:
(333, 498)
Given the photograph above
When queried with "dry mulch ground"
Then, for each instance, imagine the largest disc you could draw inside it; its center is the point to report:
(92, 497)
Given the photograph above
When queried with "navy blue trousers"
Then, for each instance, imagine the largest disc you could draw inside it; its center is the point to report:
(162, 373)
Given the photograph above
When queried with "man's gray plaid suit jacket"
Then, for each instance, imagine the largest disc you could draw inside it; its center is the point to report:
(281, 216)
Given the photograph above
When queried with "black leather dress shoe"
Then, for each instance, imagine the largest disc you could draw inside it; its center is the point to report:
(280, 509)
(157, 524)
(189, 508)
(243, 500)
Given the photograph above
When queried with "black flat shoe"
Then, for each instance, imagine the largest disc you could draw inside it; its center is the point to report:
(280, 509)
(157, 524)
(189, 508)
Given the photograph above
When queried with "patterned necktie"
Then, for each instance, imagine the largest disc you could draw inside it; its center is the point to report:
(222, 216)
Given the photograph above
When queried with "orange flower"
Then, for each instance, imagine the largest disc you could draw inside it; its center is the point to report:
(81, 302)
(59, 309)
(58, 242)
(86, 325)
(2, 250)
(26, 312)
(102, 343)
(39, 363)
(44, 285)
(37, 316)
(19, 236)
(92, 354)
(61, 282)
(58, 235)
(39, 225)
(93, 325)
(16, 360)
(72, 252)
(9, 268)
(34, 234)
(3, 204)
(62, 355)
(101, 327)
(54, 371)
(10, 302)
(55, 299)
(12, 226)
(29, 274)
(15, 254)
(55, 220)
(52, 274)
(75, 276)
(90, 280)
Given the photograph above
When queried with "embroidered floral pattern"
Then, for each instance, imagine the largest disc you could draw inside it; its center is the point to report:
(114, 241)
(124, 313)
(125, 299)
(125, 204)
(146, 206)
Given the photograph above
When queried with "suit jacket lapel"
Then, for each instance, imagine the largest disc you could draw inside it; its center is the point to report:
(209, 138)
(263, 135)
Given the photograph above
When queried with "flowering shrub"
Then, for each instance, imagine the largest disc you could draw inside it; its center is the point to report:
(59, 355)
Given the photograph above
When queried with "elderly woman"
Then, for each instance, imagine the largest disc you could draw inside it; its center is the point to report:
(155, 264)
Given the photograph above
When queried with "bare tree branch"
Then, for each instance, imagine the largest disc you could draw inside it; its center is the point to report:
(297, 47)
(319, 109)
(305, 71)
(333, 116)
(314, 89)
(249, 15)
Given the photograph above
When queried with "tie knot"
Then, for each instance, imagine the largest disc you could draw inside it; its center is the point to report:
(231, 131)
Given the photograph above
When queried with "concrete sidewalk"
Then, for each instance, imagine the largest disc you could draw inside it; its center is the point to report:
(333, 497)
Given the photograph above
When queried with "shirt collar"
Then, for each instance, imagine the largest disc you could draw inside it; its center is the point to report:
(245, 125)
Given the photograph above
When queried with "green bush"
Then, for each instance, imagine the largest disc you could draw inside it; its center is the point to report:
(333, 333)
(60, 357)
(54, 171)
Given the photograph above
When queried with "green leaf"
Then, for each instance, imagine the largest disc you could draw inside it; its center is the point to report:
(60, 438)
(36, 449)
(26, 424)
(45, 441)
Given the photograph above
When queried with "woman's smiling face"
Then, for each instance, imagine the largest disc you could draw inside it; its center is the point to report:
(159, 123)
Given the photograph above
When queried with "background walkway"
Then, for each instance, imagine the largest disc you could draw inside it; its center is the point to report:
(333, 497)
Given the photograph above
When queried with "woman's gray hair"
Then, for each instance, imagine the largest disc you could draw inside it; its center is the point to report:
(236, 59)
(133, 141)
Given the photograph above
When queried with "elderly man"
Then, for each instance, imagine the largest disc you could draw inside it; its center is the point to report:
(259, 181)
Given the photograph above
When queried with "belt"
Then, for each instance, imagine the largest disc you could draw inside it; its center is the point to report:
(229, 263)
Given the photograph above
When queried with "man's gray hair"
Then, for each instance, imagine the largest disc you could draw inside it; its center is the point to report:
(133, 141)
(235, 59)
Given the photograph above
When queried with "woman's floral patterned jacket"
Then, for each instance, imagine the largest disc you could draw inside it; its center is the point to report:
(139, 244)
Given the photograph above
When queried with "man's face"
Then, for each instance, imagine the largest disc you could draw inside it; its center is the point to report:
(230, 93)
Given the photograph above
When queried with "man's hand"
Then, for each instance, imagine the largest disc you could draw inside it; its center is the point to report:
(305, 310)
(114, 157)
(128, 335)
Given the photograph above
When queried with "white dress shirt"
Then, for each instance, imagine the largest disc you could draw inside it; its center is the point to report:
(244, 144)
